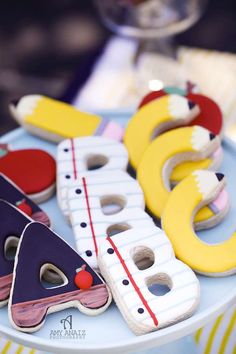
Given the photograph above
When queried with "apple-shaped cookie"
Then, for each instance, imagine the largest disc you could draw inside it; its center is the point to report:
(32, 170)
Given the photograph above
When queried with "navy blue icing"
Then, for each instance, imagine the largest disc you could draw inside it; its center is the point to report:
(12, 195)
(39, 246)
(12, 223)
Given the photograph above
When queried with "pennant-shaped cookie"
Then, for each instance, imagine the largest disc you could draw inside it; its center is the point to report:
(12, 194)
(13, 223)
(30, 301)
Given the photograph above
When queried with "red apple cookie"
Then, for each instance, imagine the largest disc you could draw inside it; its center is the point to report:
(32, 170)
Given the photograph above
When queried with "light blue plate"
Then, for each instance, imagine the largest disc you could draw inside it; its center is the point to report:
(108, 332)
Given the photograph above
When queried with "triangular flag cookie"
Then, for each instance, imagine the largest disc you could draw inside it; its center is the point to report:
(13, 223)
(12, 194)
(30, 301)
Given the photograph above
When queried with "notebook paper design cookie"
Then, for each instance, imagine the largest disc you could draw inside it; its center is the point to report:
(55, 120)
(82, 156)
(168, 112)
(210, 115)
(168, 150)
(135, 260)
(197, 189)
(32, 170)
(30, 302)
(102, 204)
(12, 194)
(13, 223)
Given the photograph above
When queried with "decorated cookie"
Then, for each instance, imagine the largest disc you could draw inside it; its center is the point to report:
(166, 113)
(171, 148)
(210, 115)
(136, 261)
(32, 170)
(101, 205)
(12, 194)
(80, 156)
(13, 222)
(54, 120)
(197, 189)
(212, 163)
(30, 302)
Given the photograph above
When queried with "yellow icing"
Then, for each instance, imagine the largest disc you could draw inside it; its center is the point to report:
(62, 119)
(141, 126)
(150, 169)
(185, 168)
(139, 131)
(177, 224)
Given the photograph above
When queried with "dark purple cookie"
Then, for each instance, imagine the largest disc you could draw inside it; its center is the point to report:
(31, 301)
(12, 194)
(12, 225)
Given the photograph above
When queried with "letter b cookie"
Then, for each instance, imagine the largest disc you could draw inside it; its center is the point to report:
(134, 260)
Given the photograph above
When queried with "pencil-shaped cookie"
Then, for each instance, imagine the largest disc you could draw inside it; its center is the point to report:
(55, 120)
(168, 150)
(196, 190)
(166, 113)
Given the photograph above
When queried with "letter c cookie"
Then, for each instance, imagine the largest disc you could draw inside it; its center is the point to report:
(194, 191)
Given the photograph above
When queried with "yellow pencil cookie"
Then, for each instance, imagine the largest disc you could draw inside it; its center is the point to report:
(55, 120)
(198, 189)
(156, 117)
(163, 154)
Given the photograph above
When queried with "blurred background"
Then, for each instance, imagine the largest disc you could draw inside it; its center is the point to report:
(44, 45)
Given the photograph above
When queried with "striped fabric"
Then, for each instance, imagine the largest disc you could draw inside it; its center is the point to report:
(219, 336)
(9, 347)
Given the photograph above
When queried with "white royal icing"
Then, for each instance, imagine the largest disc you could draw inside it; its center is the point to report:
(200, 138)
(178, 107)
(173, 306)
(27, 105)
(73, 156)
(85, 199)
(207, 183)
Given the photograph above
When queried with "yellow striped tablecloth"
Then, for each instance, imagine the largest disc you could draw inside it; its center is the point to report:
(219, 336)
(9, 347)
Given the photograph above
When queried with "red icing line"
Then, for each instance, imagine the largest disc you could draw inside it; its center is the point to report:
(133, 282)
(89, 214)
(73, 158)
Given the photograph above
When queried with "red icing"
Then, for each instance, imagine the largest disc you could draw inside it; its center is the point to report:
(23, 206)
(210, 116)
(83, 279)
(144, 301)
(32, 170)
(149, 97)
(73, 158)
(90, 216)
